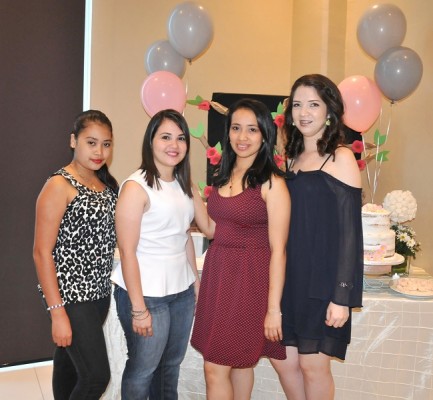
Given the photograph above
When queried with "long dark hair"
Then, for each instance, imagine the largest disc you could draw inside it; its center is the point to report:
(82, 121)
(182, 171)
(333, 136)
(263, 166)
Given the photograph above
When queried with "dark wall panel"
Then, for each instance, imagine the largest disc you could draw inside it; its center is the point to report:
(41, 81)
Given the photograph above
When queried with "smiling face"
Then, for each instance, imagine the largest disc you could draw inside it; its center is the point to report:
(245, 136)
(309, 112)
(168, 146)
(93, 146)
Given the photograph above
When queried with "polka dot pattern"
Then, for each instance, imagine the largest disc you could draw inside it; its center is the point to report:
(228, 327)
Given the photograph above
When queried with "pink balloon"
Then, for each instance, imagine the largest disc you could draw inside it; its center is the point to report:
(362, 102)
(162, 90)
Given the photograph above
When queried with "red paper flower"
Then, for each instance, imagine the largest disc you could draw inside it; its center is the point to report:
(357, 146)
(214, 160)
(279, 120)
(204, 105)
(361, 164)
(211, 152)
(279, 160)
(207, 190)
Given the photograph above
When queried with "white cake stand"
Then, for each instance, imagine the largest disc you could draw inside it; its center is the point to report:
(382, 267)
(378, 269)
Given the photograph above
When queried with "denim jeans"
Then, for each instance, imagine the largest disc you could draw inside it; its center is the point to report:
(81, 371)
(153, 364)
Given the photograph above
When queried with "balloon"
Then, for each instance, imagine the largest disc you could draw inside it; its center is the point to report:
(362, 102)
(381, 27)
(190, 29)
(162, 90)
(161, 56)
(398, 72)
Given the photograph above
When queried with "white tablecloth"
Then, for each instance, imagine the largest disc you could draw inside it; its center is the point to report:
(390, 357)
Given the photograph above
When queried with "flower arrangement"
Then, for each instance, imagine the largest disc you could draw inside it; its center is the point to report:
(401, 204)
(403, 207)
(405, 240)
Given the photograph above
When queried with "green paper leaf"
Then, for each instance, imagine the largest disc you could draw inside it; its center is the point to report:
(280, 108)
(218, 148)
(195, 102)
(202, 185)
(379, 139)
(197, 132)
(382, 156)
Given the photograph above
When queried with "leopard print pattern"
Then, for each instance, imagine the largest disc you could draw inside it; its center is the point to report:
(84, 250)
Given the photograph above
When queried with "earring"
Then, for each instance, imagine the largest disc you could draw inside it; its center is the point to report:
(293, 123)
(328, 122)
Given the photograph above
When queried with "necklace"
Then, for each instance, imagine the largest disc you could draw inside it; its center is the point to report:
(87, 181)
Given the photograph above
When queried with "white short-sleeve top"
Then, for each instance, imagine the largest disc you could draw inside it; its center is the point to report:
(161, 250)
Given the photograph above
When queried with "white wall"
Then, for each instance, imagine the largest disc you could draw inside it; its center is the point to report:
(261, 47)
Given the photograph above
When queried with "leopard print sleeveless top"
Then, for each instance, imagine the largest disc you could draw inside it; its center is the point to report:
(84, 250)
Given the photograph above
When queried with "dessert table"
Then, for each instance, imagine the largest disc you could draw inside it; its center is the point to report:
(390, 356)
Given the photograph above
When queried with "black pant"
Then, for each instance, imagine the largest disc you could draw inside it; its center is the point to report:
(81, 371)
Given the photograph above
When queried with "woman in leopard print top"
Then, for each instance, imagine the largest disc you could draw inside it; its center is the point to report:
(73, 253)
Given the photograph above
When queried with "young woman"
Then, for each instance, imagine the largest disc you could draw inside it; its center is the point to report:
(238, 318)
(325, 251)
(73, 252)
(156, 279)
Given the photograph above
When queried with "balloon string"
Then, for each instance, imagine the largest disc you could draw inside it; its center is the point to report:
(373, 192)
(367, 169)
(379, 164)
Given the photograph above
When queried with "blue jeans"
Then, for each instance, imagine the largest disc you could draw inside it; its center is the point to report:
(153, 364)
(81, 371)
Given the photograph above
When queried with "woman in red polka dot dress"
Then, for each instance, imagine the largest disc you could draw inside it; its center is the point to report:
(238, 318)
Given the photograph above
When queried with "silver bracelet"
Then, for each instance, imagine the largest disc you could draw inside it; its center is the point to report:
(55, 306)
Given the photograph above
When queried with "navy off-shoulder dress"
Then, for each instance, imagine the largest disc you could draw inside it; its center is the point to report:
(324, 261)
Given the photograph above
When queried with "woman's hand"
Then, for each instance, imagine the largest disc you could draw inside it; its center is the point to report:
(336, 315)
(61, 328)
(142, 325)
(273, 331)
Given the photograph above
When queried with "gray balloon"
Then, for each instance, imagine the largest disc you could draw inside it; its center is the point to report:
(398, 72)
(161, 56)
(380, 28)
(190, 29)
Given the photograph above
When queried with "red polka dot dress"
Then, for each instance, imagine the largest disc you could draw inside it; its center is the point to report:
(229, 321)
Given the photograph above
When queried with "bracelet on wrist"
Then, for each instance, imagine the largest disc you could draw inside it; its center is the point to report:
(139, 312)
(55, 306)
(140, 317)
(275, 312)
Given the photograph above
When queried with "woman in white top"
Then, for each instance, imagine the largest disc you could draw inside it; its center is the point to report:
(156, 280)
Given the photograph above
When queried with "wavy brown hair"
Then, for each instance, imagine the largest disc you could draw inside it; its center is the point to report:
(333, 136)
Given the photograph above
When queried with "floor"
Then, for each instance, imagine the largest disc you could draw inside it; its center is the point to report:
(30, 382)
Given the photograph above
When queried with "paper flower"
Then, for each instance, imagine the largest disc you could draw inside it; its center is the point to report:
(401, 204)
(213, 155)
(361, 164)
(279, 160)
(357, 146)
(204, 105)
(279, 120)
(207, 190)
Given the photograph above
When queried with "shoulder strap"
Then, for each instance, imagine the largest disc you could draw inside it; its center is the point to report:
(69, 178)
(327, 158)
(289, 167)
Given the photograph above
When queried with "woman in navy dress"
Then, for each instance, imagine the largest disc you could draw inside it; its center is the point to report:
(324, 251)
